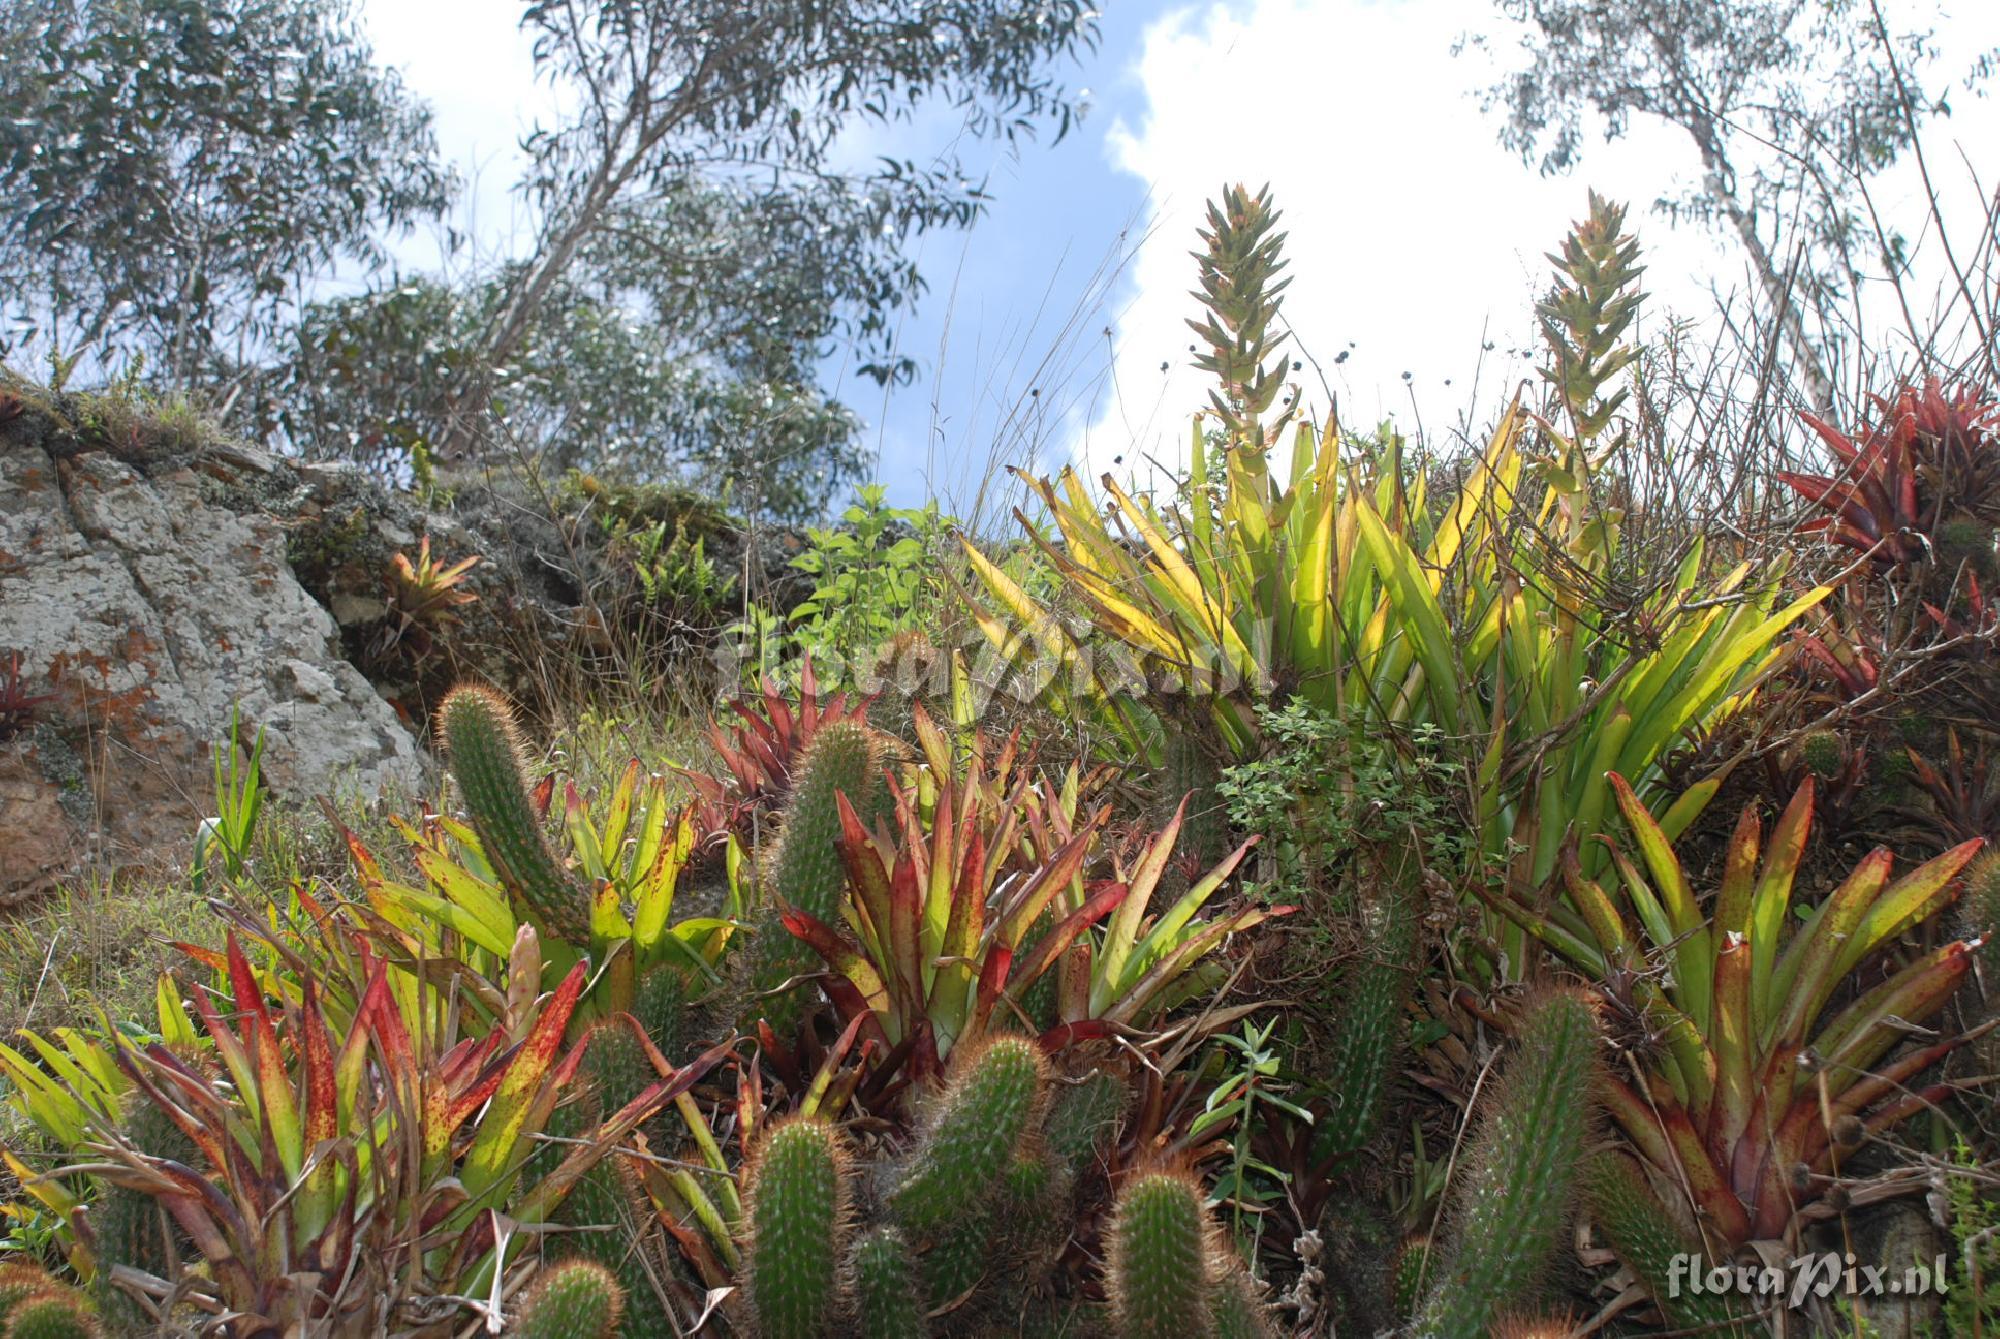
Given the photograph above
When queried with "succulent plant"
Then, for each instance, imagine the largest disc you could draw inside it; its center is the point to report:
(573, 1299)
(798, 1219)
(53, 1313)
(1521, 1172)
(18, 1282)
(485, 751)
(1159, 1258)
(1369, 1042)
(980, 1124)
(131, 1228)
(886, 1305)
(806, 874)
(1647, 1240)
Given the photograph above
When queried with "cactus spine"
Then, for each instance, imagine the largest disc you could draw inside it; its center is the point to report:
(1646, 1240)
(1237, 1311)
(1159, 1259)
(1523, 1171)
(577, 1299)
(987, 1111)
(1083, 1117)
(807, 873)
(479, 735)
(1190, 772)
(54, 1313)
(660, 1003)
(129, 1227)
(1365, 1052)
(885, 1287)
(19, 1282)
(798, 1213)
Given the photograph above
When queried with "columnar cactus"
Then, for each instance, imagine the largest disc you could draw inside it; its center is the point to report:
(1647, 1240)
(798, 1216)
(54, 1313)
(1522, 1171)
(576, 1299)
(884, 1287)
(18, 1282)
(1234, 1306)
(1159, 1258)
(807, 873)
(129, 1227)
(1083, 1117)
(485, 752)
(660, 1003)
(993, 1102)
(1190, 772)
(1372, 1021)
(619, 1232)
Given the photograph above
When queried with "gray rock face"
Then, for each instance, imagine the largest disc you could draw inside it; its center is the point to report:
(148, 608)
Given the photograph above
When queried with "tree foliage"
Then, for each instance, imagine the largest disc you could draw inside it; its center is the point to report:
(1791, 105)
(178, 170)
(706, 181)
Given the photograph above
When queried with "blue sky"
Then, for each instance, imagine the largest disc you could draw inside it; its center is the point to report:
(1053, 329)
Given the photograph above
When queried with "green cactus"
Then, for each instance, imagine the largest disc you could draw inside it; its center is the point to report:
(959, 1259)
(991, 1104)
(1646, 1239)
(1038, 1001)
(798, 1215)
(660, 1003)
(1523, 1171)
(1979, 919)
(1968, 543)
(1235, 1309)
(1037, 1204)
(617, 1230)
(1159, 1259)
(807, 874)
(1408, 1273)
(576, 1299)
(128, 1227)
(885, 1287)
(1373, 1025)
(485, 750)
(615, 1067)
(1822, 753)
(1084, 1117)
(18, 1282)
(1979, 912)
(1190, 772)
(54, 1313)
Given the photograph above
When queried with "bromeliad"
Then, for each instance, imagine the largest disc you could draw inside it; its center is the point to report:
(1757, 1078)
(974, 911)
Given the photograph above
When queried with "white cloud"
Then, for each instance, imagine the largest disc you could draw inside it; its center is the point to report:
(475, 66)
(1413, 234)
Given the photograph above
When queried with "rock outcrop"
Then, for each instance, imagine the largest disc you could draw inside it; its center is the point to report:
(146, 606)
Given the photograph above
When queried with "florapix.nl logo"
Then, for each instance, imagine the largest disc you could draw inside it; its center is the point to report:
(1823, 1274)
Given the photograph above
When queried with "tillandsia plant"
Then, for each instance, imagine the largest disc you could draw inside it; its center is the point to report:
(1488, 613)
(352, 1140)
(955, 915)
(424, 597)
(224, 840)
(1930, 462)
(1754, 1085)
(611, 900)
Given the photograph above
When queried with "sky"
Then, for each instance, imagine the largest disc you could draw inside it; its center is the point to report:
(1054, 330)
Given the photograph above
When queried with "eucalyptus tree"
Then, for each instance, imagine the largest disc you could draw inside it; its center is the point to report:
(177, 173)
(1790, 105)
